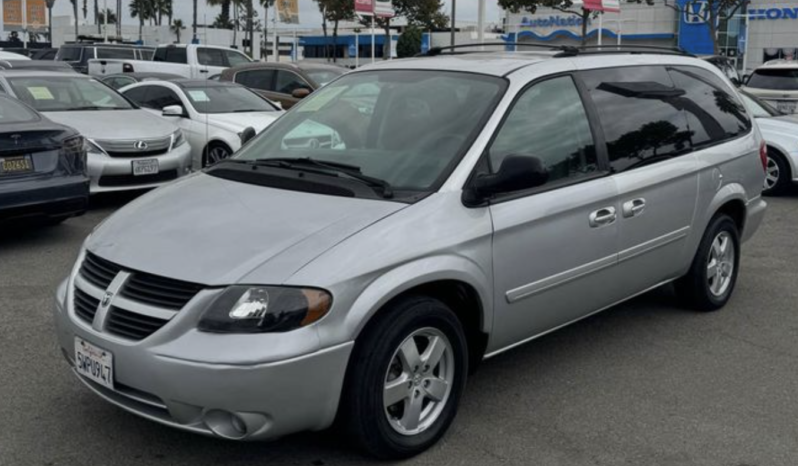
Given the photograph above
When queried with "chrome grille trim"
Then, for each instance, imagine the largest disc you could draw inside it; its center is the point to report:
(128, 145)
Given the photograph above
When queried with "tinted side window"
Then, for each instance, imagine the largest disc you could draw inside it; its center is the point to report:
(256, 79)
(713, 113)
(288, 82)
(171, 55)
(549, 122)
(138, 95)
(159, 97)
(640, 112)
(210, 57)
(235, 58)
(115, 53)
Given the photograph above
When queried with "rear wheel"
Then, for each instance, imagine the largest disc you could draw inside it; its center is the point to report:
(405, 379)
(709, 284)
(777, 175)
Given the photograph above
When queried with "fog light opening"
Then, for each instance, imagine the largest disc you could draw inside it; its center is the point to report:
(225, 424)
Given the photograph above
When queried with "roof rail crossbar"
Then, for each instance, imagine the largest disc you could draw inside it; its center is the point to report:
(564, 50)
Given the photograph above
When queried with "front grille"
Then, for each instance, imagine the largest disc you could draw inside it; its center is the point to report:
(136, 155)
(131, 180)
(99, 272)
(129, 146)
(132, 325)
(159, 291)
(85, 306)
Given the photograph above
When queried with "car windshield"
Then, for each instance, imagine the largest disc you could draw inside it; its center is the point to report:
(757, 107)
(779, 79)
(226, 99)
(14, 112)
(324, 76)
(64, 94)
(406, 128)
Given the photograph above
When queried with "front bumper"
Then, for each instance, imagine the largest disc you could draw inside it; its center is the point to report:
(57, 196)
(233, 396)
(109, 174)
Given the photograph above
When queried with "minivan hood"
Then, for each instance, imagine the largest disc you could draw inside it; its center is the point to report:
(213, 231)
(237, 122)
(109, 125)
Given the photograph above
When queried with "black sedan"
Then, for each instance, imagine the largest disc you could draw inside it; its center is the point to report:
(42, 167)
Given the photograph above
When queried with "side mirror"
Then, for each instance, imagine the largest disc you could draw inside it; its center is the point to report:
(247, 134)
(517, 173)
(746, 77)
(300, 93)
(174, 111)
(736, 82)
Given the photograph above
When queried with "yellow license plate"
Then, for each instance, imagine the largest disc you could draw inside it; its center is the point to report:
(12, 165)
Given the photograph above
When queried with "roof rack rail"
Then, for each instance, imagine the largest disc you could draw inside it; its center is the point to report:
(564, 50)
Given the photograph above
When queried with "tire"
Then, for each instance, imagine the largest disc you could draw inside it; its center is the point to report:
(778, 174)
(215, 152)
(709, 284)
(379, 360)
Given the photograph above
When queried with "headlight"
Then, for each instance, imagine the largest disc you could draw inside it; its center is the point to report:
(178, 139)
(92, 147)
(244, 309)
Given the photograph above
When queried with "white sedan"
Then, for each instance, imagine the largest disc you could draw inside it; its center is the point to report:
(214, 116)
(781, 134)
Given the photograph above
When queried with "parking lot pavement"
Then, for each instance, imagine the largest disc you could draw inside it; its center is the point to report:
(645, 383)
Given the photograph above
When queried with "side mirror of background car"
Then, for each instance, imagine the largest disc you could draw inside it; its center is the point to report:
(746, 77)
(736, 82)
(300, 93)
(517, 173)
(247, 134)
(174, 111)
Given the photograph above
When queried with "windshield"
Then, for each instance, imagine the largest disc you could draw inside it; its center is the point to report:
(758, 108)
(407, 128)
(323, 77)
(68, 54)
(63, 94)
(226, 99)
(779, 79)
(14, 112)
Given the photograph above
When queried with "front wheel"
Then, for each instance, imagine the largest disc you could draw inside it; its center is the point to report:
(709, 284)
(406, 377)
(215, 153)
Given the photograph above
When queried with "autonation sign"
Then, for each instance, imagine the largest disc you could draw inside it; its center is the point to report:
(552, 21)
(773, 13)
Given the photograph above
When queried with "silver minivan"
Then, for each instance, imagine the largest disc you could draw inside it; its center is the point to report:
(469, 204)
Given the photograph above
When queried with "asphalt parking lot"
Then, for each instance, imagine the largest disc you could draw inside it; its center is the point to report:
(645, 383)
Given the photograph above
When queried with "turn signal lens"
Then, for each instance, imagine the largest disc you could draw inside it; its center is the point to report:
(763, 155)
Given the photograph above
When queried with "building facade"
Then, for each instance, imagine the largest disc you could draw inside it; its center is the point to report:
(767, 30)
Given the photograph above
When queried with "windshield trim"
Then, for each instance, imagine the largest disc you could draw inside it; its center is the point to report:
(407, 194)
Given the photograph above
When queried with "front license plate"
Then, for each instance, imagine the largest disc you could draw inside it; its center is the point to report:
(787, 107)
(15, 165)
(145, 167)
(94, 363)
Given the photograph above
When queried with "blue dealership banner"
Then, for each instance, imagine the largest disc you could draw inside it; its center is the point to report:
(694, 35)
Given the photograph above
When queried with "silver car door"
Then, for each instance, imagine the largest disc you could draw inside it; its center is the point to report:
(554, 246)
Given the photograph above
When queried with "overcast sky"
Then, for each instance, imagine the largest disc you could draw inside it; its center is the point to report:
(309, 12)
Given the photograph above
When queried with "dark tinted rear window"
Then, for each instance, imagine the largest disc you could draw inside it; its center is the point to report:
(638, 114)
(115, 53)
(713, 113)
(171, 55)
(69, 53)
(783, 80)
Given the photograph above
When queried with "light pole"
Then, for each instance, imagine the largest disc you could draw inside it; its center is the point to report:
(481, 22)
(50, 4)
(454, 12)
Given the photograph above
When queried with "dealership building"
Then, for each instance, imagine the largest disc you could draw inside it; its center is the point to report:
(767, 30)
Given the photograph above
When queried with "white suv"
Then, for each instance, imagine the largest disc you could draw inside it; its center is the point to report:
(776, 82)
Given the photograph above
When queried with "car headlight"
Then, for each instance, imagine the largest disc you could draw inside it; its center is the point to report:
(92, 147)
(178, 139)
(260, 309)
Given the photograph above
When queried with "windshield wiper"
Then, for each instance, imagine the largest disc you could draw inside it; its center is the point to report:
(382, 187)
(90, 108)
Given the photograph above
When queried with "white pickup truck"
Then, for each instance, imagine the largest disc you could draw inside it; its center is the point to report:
(192, 61)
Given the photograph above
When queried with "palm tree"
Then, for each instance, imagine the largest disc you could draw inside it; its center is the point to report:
(224, 18)
(177, 27)
(143, 10)
(75, 13)
(111, 16)
(162, 8)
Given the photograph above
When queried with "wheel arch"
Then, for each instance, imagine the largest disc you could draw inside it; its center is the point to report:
(779, 151)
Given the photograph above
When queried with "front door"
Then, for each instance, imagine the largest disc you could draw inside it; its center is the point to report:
(555, 246)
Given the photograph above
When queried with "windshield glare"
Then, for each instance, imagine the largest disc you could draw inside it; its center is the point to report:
(226, 99)
(62, 94)
(403, 127)
(783, 80)
(323, 77)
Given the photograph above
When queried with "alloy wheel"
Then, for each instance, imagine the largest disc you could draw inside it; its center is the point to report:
(217, 154)
(772, 174)
(418, 381)
(720, 264)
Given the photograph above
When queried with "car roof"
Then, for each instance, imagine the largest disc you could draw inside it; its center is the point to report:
(780, 64)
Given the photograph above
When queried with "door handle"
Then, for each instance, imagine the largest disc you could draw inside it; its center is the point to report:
(634, 208)
(603, 217)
